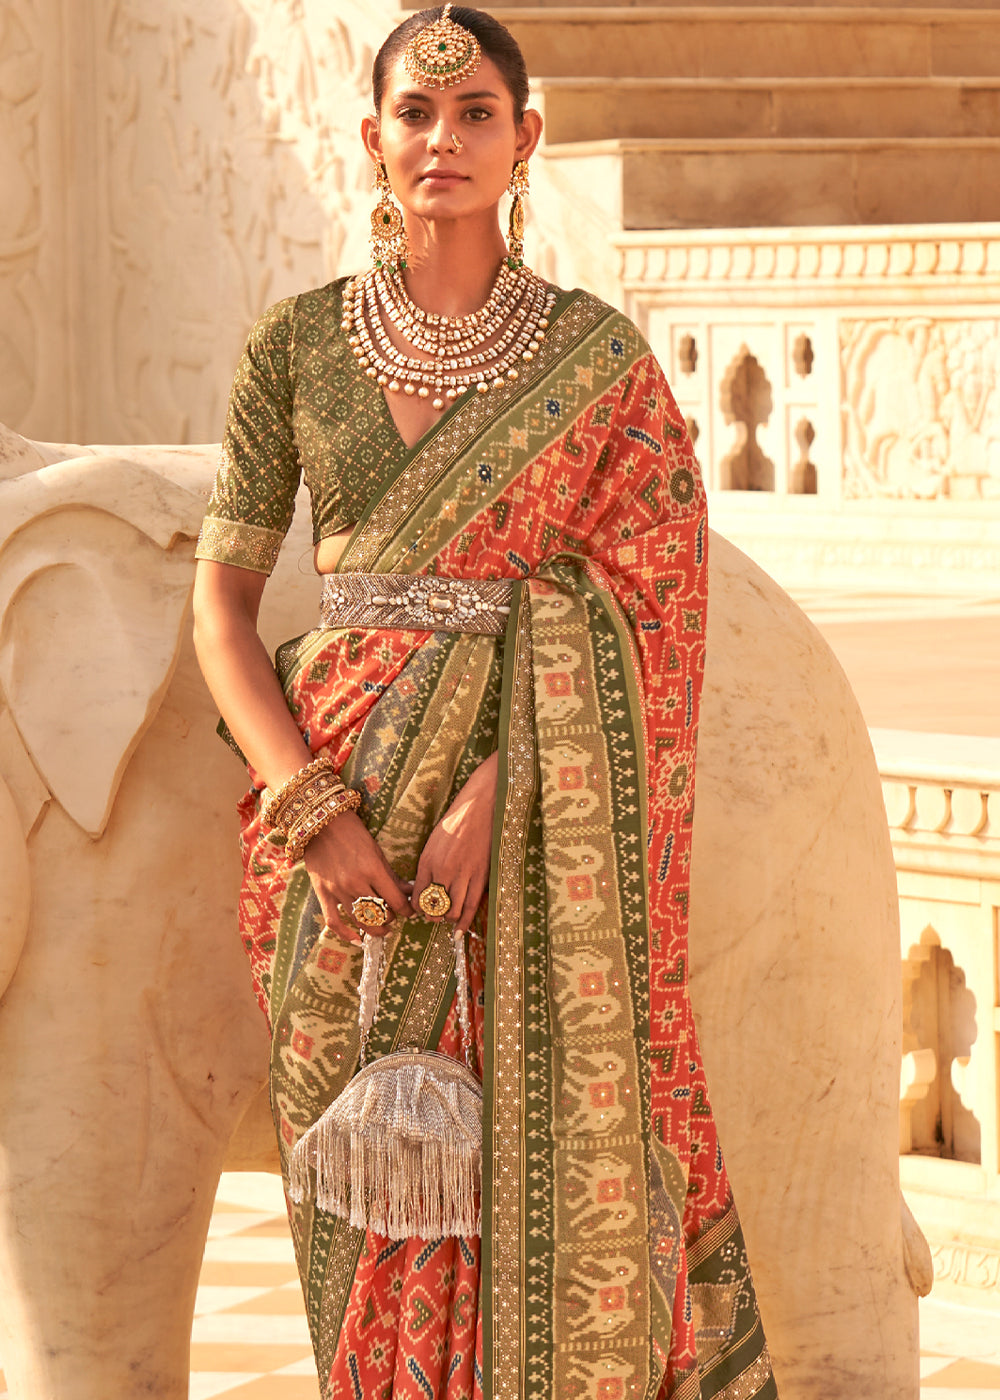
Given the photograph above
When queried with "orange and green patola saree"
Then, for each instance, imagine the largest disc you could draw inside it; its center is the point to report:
(611, 1264)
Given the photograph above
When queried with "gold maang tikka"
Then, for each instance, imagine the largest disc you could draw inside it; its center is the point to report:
(442, 53)
(389, 246)
(518, 187)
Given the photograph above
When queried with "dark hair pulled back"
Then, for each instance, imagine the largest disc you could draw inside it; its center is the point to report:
(495, 41)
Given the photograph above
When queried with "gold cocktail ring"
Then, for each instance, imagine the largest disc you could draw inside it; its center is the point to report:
(371, 911)
(434, 900)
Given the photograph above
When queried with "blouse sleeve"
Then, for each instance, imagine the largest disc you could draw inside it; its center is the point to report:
(252, 502)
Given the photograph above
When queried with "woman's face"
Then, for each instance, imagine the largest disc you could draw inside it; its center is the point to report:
(449, 152)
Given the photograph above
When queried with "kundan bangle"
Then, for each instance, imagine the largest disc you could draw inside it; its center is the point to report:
(319, 816)
(297, 793)
(302, 802)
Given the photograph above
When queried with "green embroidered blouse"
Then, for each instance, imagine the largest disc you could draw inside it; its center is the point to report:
(299, 407)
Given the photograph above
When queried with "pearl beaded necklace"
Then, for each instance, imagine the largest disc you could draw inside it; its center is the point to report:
(514, 318)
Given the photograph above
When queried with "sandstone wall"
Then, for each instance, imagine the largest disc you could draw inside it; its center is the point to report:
(168, 168)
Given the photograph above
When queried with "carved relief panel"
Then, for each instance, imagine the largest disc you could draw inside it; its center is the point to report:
(235, 177)
(921, 408)
(21, 219)
(203, 161)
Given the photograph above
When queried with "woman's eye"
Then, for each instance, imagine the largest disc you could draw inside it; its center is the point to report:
(479, 114)
(407, 114)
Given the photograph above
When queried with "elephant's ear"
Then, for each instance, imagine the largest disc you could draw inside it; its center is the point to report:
(91, 610)
(17, 454)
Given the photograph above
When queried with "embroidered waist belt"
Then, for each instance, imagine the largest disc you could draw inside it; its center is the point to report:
(417, 601)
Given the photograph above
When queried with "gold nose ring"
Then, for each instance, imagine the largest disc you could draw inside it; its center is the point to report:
(457, 142)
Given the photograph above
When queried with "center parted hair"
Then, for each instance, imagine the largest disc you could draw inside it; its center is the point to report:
(495, 41)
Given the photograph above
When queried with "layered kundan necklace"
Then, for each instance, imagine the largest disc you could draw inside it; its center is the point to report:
(485, 348)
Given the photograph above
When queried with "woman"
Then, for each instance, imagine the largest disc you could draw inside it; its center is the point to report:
(533, 772)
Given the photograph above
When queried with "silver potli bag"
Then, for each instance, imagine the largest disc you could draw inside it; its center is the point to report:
(400, 1150)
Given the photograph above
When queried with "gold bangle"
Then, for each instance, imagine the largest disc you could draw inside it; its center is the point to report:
(300, 803)
(301, 834)
(318, 773)
(348, 800)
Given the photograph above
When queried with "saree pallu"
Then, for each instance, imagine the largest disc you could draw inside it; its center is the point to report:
(611, 1264)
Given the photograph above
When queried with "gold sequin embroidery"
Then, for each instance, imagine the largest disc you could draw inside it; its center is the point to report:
(233, 542)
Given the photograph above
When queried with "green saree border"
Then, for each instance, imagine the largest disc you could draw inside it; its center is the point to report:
(558, 1269)
(501, 1292)
(592, 757)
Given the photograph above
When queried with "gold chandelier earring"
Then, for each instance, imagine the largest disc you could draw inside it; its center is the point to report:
(389, 247)
(518, 187)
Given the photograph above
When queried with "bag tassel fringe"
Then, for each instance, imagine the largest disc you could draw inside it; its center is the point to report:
(399, 1151)
(396, 1188)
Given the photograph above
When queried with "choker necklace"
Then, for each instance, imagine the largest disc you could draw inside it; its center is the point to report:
(484, 348)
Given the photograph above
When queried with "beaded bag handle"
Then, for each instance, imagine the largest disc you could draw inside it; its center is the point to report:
(373, 972)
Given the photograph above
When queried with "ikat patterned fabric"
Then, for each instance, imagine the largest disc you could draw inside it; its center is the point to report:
(611, 1264)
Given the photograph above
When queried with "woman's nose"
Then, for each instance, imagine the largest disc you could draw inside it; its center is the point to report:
(441, 138)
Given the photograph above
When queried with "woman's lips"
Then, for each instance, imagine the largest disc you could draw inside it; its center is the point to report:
(442, 177)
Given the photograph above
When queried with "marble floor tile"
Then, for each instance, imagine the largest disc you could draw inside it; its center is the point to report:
(212, 1298)
(271, 1226)
(279, 1328)
(287, 1299)
(299, 1368)
(277, 1388)
(948, 1329)
(947, 1393)
(204, 1385)
(244, 1354)
(252, 1191)
(931, 1365)
(964, 1375)
(235, 1222)
(252, 1249)
(243, 1273)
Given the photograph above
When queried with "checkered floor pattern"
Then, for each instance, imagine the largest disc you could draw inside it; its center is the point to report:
(250, 1340)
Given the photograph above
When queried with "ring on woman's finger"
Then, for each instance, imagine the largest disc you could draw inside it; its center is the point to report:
(434, 900)
(371, 911)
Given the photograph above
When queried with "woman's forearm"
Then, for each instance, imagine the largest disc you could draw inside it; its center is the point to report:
(239, 674)
(342, 859)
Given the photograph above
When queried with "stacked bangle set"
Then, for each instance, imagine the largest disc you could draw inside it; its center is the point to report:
(306, 803)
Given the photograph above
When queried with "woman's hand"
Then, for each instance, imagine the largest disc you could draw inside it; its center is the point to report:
(457, 852)
(344, 862)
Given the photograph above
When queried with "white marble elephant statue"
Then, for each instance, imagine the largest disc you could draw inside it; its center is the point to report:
(134, 1056)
